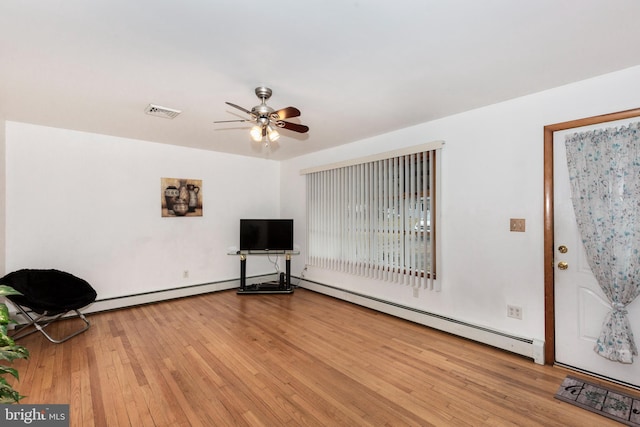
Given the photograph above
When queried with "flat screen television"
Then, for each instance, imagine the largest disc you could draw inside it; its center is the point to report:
(266, 234)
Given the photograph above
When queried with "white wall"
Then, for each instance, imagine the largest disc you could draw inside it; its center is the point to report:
(90, 204)
(2, 195)
(492, 170)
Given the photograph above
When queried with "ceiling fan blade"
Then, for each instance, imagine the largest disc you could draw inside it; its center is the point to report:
(285, 113)
(292, 126)
(230, 121)
(238, 107)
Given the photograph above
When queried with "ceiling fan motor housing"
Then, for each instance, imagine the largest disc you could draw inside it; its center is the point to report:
(262, 110)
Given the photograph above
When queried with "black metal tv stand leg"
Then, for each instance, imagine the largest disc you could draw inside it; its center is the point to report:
(288, 268)
(243, 272)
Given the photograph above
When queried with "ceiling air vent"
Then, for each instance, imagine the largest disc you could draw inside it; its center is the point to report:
(158, 111)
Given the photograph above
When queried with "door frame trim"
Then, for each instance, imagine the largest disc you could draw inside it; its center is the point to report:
(549, 270)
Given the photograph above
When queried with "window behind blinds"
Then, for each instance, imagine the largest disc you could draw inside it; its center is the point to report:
(375, 218)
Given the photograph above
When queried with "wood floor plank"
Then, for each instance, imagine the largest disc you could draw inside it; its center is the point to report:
(302, 359)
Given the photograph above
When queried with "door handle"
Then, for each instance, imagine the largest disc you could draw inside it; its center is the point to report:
(563, 265)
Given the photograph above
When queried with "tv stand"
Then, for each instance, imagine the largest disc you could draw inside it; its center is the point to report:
(281, 286)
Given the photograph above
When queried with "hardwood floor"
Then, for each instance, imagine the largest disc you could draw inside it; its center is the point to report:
(224, 359)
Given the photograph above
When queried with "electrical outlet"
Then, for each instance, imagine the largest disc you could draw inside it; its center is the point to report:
(514, 312)
(185, 274)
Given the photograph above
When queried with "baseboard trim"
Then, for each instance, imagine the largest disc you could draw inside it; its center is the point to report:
(527, 347)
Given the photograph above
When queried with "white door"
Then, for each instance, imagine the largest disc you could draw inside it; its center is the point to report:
(580, 304)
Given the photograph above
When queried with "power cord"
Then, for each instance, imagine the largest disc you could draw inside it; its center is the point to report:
(276, 266)
(301, 277)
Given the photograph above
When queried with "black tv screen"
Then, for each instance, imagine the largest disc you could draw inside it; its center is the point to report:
(266, 234)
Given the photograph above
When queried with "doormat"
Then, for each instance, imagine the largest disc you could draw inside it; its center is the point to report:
(618, 406)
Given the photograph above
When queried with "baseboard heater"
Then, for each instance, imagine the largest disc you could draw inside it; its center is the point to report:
(169, 294)
(124, 301)
(157, 296)
(531, 348)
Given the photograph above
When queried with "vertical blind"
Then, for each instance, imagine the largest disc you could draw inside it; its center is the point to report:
(375, 218)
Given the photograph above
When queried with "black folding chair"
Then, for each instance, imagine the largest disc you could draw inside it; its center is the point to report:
(47, 296)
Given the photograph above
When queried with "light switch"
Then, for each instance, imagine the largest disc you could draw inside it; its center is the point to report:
(517, 224)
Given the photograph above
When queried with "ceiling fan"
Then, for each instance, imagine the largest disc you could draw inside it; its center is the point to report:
(267, 119)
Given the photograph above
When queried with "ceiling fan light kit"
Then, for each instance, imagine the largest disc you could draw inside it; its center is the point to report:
(272, 134)
(267, 119)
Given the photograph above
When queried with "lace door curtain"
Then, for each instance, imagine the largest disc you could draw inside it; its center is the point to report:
(604, 174)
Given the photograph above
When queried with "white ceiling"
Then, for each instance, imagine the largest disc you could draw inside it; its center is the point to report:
(354, 68)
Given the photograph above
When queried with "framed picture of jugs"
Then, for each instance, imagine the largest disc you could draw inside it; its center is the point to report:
(181, 197)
